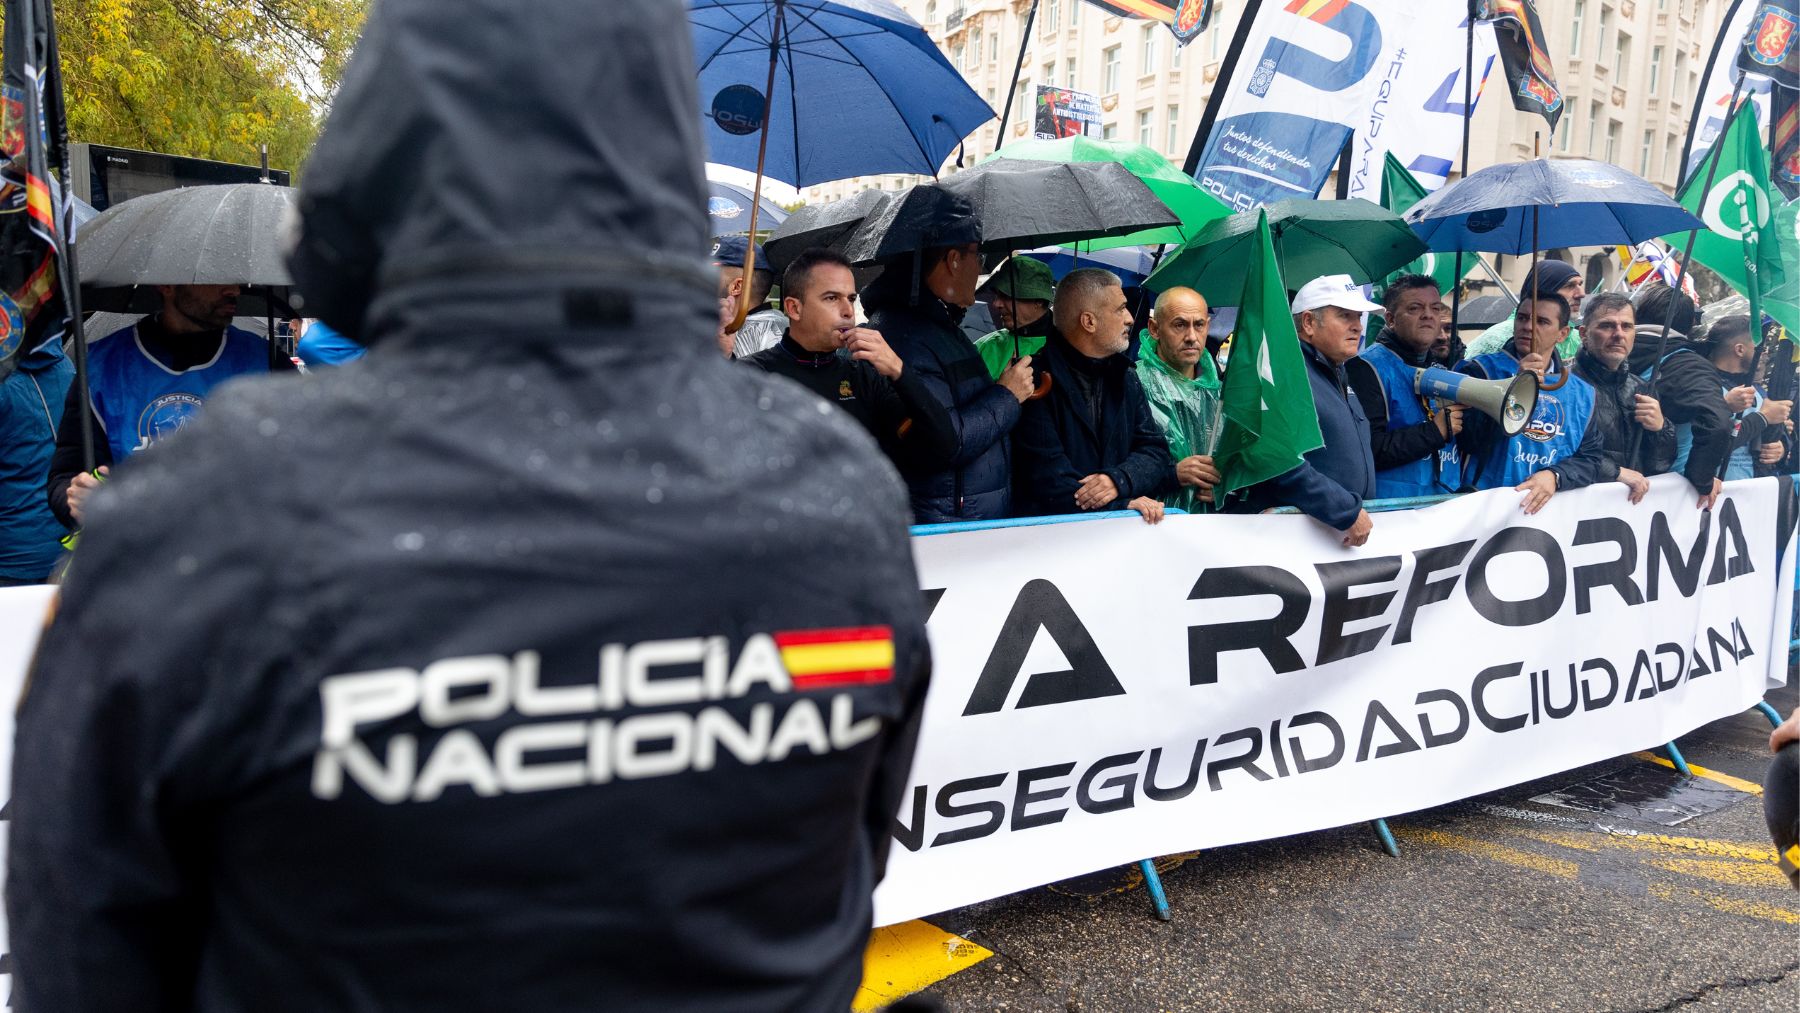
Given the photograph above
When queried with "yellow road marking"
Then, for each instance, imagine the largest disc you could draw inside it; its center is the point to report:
(1496, 852)
(1742, 851)
(902, 959)
(1750, 874)
(1730, 905)
(1749, 787)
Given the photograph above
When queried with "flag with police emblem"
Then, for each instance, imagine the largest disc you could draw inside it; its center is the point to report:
(31, 306)
(1738, 209)
(1529, 74)
(1186, 18)
(1769, 44)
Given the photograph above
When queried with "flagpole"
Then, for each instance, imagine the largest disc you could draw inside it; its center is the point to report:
(1468, 118)
(63, 227)
(1687, 252)
(1687, 145)
(1018, 68)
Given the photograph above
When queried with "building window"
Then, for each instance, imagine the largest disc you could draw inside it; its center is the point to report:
(1069, 68)
(994, 48)
(1575, 39)
(974, 52)
(1218, 34)
(1174, 144)
(1175, 48)
(1622, 57)
(1050, 75)
(1109, 74)
(1600, 38)
(1593, 129)
(1146, 133)
(1612, 142)
(1565, 129)
(1052, 16)
(956, 55)
(1148, 52)
(1644, 158)
(1655, 68)
(1109, 132)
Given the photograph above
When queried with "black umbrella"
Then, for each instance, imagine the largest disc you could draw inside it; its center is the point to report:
(820, 225)
(1025, 203)
(199, 235)
(1021, 204)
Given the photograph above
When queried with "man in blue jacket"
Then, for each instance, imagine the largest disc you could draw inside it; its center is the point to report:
(1332, 482)
(31, 405)
(1091, 442)
(922, 325)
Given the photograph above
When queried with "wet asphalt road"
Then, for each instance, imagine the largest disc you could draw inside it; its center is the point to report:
(1495, 903)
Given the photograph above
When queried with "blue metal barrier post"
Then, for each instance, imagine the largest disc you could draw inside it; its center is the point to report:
(1153, 882)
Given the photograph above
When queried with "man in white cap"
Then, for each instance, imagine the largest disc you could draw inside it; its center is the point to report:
(1332, 482)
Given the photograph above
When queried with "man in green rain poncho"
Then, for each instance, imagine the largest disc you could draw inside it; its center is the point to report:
(1018, 295)
(1181, 383)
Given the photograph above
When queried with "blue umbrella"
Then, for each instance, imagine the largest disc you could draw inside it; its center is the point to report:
(1131, 263)
(1523, 207)
(848, 87)
(728, 209)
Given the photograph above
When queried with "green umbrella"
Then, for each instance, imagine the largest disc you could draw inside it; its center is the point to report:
(1194, 206)
(1312, 238)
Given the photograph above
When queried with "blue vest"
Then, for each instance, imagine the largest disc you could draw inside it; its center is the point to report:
(1430, 475)
(1554, 432)
(138, 400)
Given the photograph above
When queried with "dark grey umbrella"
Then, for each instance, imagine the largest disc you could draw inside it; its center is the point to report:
(1025, 203)
(199, 235)
(820, 225)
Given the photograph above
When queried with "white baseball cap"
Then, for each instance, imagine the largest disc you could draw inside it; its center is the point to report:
(1333, 290)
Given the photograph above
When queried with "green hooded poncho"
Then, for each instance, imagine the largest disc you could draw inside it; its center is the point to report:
(1187, 410)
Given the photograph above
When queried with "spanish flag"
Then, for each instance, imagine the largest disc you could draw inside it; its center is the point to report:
(850, 656)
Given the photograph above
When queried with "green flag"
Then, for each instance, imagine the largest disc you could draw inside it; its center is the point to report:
(1400, 191)
(1781, 300)
(1270, 421)
(1738, 212)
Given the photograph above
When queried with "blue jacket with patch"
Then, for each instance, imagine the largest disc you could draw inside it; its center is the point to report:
(1557, 439)
(31, 406)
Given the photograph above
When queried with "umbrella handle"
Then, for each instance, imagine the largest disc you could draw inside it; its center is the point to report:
(1044, 382)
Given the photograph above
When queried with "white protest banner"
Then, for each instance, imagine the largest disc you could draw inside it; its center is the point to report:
(23, 611)
(1416, 110)
(1104, 692)
(1309, 73)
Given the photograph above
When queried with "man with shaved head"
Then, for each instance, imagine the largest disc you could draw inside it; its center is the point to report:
(1181, 384)
(1091, 443)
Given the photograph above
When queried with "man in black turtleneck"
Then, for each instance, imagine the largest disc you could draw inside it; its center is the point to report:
(1622, 403)
(148, 380)
(853, 367)
(1414, 442)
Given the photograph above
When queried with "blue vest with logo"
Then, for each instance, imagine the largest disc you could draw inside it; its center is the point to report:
(139, 400)
(1554, 432)
(1428, 476)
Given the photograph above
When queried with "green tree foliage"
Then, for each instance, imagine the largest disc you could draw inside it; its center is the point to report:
(205, 78)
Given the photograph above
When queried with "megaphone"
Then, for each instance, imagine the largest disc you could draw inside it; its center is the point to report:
(1508, 402)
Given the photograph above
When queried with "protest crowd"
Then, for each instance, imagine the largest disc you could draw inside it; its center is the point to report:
(461, 367)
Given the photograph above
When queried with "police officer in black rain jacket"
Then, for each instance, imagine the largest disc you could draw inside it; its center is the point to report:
(508, 668)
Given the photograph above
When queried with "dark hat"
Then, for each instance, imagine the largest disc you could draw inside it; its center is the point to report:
(729, 252)
(1551, 275)
(1022, 278)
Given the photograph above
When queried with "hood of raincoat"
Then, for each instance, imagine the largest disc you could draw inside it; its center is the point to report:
(467, 182)
(1206, 374)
